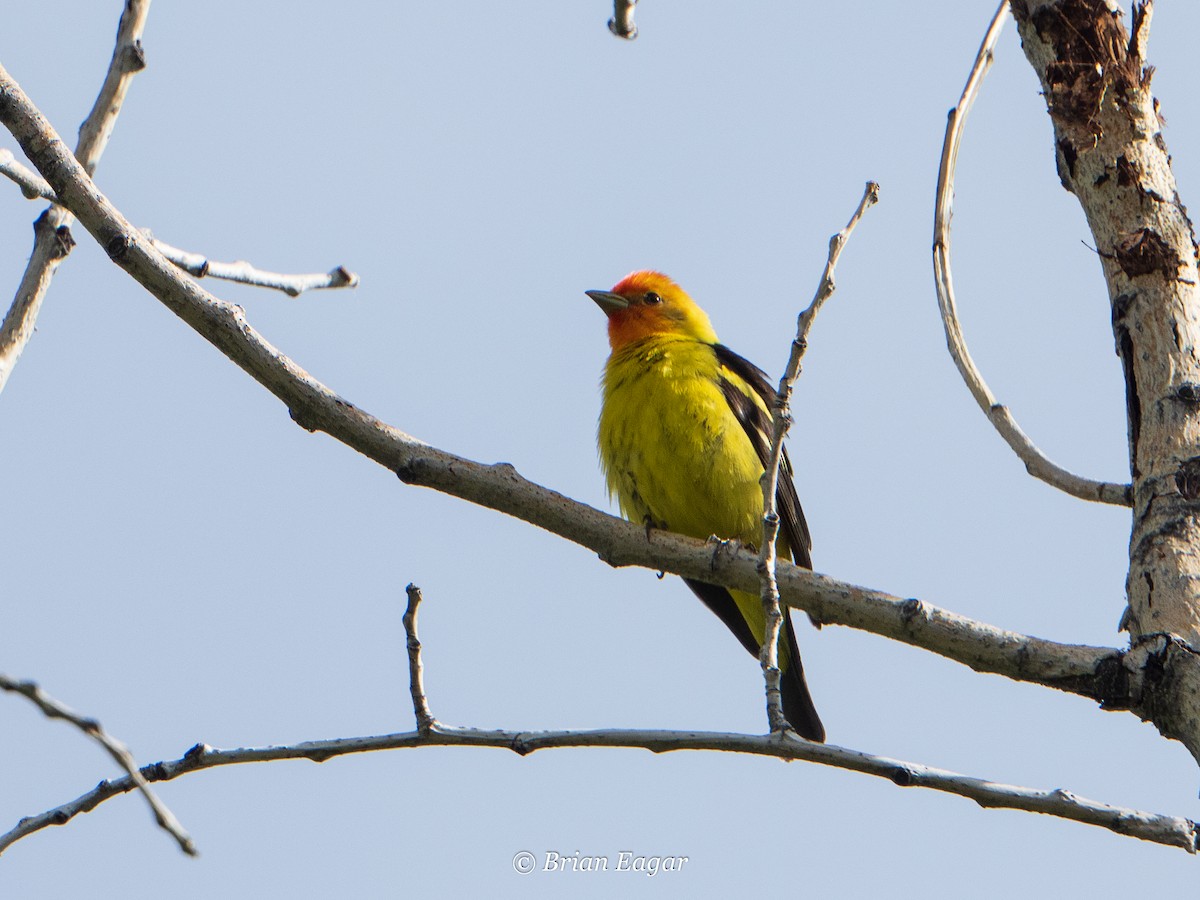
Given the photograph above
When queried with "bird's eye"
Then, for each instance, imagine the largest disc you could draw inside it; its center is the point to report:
(652, 298)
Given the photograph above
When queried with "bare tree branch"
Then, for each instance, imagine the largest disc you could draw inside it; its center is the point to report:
(243, 273)
(128, 59)
(118, 751)
(52, 237)
(622, 24)
(416, 682)
(1173, 831)
(1170, 830)
(781, 422)
(1095, 672)
(1037, 464)
(32, 185)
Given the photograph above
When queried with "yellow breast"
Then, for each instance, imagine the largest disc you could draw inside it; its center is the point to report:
(672, 450)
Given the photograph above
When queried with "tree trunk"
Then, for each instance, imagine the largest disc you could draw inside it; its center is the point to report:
(1111, 155)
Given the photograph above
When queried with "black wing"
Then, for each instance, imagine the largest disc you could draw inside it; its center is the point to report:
(757, 425)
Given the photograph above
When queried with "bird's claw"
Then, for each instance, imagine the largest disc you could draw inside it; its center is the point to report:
(720, 545)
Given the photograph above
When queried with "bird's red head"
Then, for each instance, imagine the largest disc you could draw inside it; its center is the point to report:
(645, 304)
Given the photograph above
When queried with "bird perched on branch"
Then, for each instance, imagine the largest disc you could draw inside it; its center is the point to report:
(684, 437)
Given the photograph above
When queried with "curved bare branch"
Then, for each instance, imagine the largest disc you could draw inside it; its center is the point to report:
(1036, 462)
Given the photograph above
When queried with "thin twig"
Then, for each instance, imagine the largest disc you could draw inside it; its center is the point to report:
(52, 238)
(242, 272)
(781, 422)
(1173, 831)
(622, 24)
(32, 185)
(118, 751)
(1036, 463)
(416, 682)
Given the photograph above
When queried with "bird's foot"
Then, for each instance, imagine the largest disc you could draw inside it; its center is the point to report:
(720, 545)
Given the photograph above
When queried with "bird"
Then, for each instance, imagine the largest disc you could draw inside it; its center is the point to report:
(684, 436)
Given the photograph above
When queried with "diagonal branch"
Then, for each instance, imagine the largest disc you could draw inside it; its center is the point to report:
(1095, 672)
(118, 751)
(781, 422)
(128, 59)
(1037, 464)
(52, 239)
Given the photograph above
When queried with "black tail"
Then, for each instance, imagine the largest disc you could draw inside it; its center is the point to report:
(798, 706)
(797, 701)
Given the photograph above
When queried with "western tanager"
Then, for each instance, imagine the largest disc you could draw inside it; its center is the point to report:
(684, 436)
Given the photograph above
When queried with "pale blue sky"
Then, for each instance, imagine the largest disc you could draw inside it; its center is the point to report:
(183, 562)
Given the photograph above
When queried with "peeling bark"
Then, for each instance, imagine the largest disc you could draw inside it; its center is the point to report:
(1111, 155)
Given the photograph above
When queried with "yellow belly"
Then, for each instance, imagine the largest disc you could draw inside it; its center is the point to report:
(672, 450)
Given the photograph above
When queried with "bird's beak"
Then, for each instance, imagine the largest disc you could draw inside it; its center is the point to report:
(608, 301)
